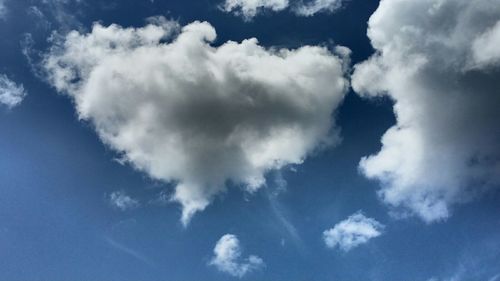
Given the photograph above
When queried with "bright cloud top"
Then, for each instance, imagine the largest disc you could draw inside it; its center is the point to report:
(196, 115)
(249, 8)
(121, 201)
(438, 60)
(11, 94)
(227, 257)
(352, 232)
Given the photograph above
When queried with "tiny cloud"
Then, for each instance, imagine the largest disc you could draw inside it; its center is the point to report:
(352, 232)
(227, 257)
(195, 115)
(11, 94)
(121, 201)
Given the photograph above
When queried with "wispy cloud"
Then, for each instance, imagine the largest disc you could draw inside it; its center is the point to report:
(122, 201)
(279, 213)
(11, 94)
(3, 9)
(128, 251)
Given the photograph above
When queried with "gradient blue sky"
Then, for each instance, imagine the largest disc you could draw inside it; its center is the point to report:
(56, 176)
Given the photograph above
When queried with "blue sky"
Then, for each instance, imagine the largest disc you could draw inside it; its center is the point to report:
(353, 140)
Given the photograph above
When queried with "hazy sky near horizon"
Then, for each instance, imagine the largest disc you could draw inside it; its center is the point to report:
(250, 140)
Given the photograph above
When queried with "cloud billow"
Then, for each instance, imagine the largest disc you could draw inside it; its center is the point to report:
(437, 61)
(11, 94)
(227, 257)
(352, 232)
(195, 115)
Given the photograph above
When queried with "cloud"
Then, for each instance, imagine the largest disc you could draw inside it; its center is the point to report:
(352, 232)
(318, 6)
(121, 201)
(196, 115)
(250, 8)
(3, 9)
(438, 61)
(60, 14)
(128, 251)
(227, 254)
(11, 94)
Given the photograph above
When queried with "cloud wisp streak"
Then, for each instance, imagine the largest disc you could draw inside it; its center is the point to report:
(128, 251)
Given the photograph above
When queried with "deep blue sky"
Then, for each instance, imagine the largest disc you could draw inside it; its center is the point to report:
(55, 177)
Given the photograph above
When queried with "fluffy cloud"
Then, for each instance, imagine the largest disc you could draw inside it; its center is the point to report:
(121, 201)
(196, 115)
(438, 60)
(11, 94)
(227, 257)
(352, 232)
(249, 8)
(318, 6)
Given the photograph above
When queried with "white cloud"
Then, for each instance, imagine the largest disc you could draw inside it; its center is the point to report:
(485, 48)
(121, 201)
(227, 257)
(250, 8)
(352, 232)
(437, 61)
(318, 6)
(11, 94)
(196, 115)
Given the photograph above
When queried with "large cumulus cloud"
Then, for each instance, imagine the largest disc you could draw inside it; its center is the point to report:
(438, 60)
(197, 115)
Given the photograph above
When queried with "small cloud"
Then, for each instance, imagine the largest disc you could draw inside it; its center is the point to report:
(318, 6)
(352, 232)
(227, 253)
(120, 200)
(11, 94)
(248, 9)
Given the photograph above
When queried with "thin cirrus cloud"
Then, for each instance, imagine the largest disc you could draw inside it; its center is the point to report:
(121, 201)
(318, 6)
(227, 257)
(248, 9)
(195, 115)
(11, 94)
(439, 62)
(3, 9)
(352, 232)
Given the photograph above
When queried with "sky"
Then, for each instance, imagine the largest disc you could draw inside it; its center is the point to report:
(274, 140)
